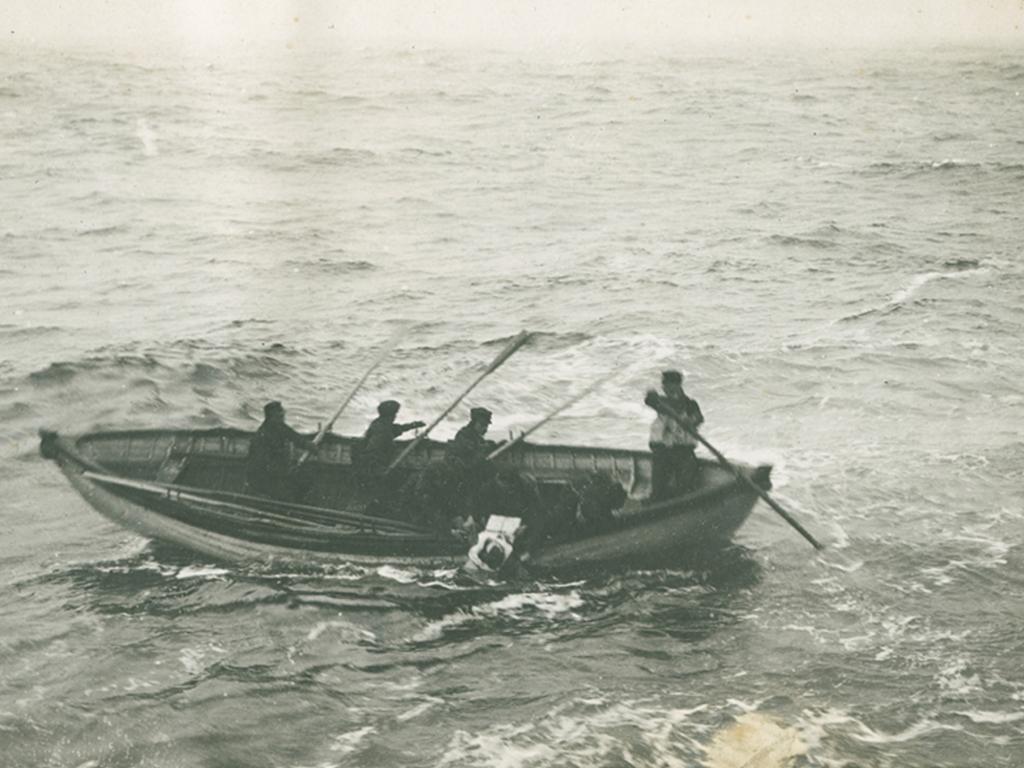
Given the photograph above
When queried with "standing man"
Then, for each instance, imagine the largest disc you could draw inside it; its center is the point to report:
(674, 463)
(377, 447)
(268, 467)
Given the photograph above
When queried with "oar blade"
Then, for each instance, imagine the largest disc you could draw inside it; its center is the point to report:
(658, 403)
(510, 349)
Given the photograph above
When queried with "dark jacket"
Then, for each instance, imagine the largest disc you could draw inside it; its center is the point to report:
(376, 450)
(468, 449)
(268, 450)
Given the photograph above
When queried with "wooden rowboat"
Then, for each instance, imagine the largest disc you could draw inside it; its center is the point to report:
(186, 488)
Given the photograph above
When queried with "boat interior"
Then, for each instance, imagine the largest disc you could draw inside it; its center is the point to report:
(215, 460)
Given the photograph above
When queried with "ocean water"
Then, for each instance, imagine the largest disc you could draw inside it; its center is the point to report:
(827, 242)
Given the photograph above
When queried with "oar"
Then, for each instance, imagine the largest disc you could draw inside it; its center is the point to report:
(389, 345)
(658, 403)
(504, 355)
(252, 504)
(502, 448)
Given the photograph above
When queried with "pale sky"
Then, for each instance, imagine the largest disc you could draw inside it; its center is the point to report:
(205, 24)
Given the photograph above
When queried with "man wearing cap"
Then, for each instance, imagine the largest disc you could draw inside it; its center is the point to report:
(466, 459)
(674, 463)
(376, 450)
(468, 448)
(267, 467)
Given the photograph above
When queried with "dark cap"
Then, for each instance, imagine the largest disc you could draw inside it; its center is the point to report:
(672, 377)
(388, 407)
(480, 414)
(274, 406)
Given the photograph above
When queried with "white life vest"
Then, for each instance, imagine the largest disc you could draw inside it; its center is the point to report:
(494, 544)
(667, 431)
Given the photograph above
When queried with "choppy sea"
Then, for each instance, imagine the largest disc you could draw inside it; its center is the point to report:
(827, 242)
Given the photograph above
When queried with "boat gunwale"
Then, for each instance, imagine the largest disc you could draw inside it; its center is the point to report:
(342, 439)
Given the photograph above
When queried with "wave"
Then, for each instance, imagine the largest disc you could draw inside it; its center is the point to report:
(55, 373)
(1013, 72)
(332, 266)
(100, 231)
(296, 161)
(341, 156)
(21, 332)
(243, 367)
(425, 152)
(960, 269)
(62, 372)
(944, 136)
(911, 169)
(16, 410)
(801, 242)
(917, 281)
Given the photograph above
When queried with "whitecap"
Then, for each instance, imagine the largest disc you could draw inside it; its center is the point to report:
(397, 574)
(578, 736)
(436, 629)
(348, 631)
(922, 279)
(346, 743)
(918, 729)
(550, 605)
(844, 566)
(419, 709)
(955, 679)
(191, 660)
(202, 572)
(976, 716)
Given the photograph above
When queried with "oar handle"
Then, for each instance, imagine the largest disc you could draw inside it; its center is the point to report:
(655, 401)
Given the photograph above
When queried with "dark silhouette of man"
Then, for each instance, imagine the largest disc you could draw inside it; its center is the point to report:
(268, 467)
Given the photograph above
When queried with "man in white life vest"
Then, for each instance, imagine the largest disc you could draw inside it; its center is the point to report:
(674, 464)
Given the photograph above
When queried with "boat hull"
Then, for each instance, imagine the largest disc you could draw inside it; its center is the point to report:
(118, 473)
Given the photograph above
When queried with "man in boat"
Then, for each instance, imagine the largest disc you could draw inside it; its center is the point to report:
(674, 463)
(268, 468)
(376, 450)
(468, 450)
(467, 465)
(444, 496)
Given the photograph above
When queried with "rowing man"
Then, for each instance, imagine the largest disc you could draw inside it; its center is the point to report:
(376, 450)
(268, 467)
